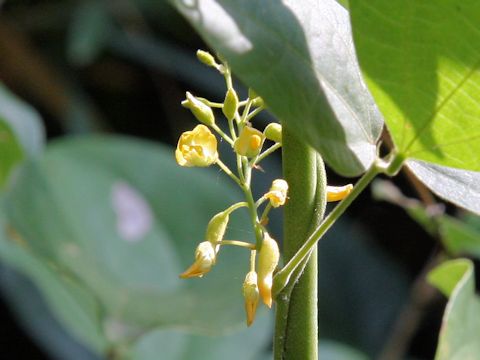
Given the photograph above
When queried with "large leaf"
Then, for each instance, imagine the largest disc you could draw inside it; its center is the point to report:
(11, 151)
(299, 56)
(461, 187)
(88, 33)
(461, 322)
(247, 344)
(21, 132)
(23, 120)
(459, 237)
(75, 307)
(121, 219)
(421, 65)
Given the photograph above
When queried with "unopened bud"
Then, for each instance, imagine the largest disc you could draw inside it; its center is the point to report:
(230, 104)
(199, 109)
(216, 228)
(251, 295)
(267, 262)
(206, 58)
(277, 193)
(337, 193)
(249, 143)
(204, 260)
(273, 132)
(256, 100)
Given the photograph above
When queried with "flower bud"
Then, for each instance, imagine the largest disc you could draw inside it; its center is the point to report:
(204, 260)
(206, 58)
(258, 102)
(273, 132)
(230, 104)
(251, 295)
(249, 143)
(277, 193)
(337, 193)
(199, 109)
(267, 262)
(216, 229)
(197, 148)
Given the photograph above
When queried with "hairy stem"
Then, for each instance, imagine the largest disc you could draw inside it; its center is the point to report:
(283, 276)
(296, 328)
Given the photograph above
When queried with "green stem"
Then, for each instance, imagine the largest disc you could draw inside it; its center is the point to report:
(267, 152)
(222, 134)
(229, 172)
(237, 243)
(254, 113)
(236, 206)
(282, 277)
(265, 213)
(252, 209)
(296, 329)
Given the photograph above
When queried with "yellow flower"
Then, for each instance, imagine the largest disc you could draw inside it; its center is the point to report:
(337, 193)
(278, 192)
(250, 142)
(204, 260)
(251, 295)
(267, 262)
(197, 147)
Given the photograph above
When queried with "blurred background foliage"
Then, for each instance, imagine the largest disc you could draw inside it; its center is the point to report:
(97, 69)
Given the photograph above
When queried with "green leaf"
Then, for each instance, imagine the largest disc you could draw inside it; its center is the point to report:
(10, 150)
(71, 304)
(422, 68)
(89, 32)
(461, 187)
(23, 120)
(299, 56)
(247, 344)
(459, 237)
(458, 338)
(21, 133)
(122, 220)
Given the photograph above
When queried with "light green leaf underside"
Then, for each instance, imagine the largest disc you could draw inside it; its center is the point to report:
(461, 187)
(422, 66)
(299, 56)
(11, 152)
(23, 120)
(458, 338)
(73, 210)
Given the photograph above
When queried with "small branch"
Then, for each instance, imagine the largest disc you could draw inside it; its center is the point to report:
(228, 172)
(283, 276)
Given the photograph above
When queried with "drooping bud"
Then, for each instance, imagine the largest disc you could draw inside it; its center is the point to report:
(216, 229)
(206, 58)
(337, 193)
(256, 100)
(277, 193)
(230, 104)
(199, 109)
(249, 143)
(267, 262)
(273, 132)
(251, 295)
(197, 148)
(204, 260)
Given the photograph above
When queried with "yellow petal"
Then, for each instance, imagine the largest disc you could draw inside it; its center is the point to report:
(337, 193)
